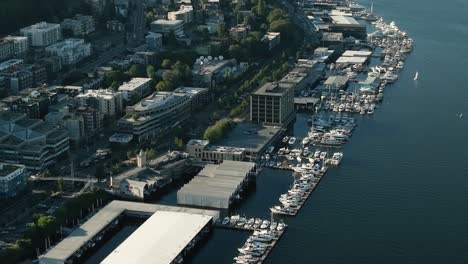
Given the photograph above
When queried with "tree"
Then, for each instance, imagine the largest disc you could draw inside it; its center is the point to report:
(116, 169)
(166, 64)
(150, 71)
(115, 85)
(260, 8)
(222, 30)
(179, 143)
(276, 14)
(150, 154)
(130, 154)
(60, 185)
(137, 70)
(240, 18)
(236, 51)
(164, 86)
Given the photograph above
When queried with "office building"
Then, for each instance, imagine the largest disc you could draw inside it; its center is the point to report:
(20, 44)
(34, 102)
(156, 116)
(185, 13)
(70, 50)
(154, 41)
(108, 102)
(272, 103)
(30, 142)
(12, 180)
(6, 49)
(203, 151)
(199, 97)
(208, 73)
(136, 88)
(164, 26)
(42, 34)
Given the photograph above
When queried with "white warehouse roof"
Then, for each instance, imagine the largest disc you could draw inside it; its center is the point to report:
(160, 239)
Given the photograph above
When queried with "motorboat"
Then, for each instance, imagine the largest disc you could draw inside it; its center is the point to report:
(285, 139)
(270, 149)
(323, 155)
(305, 141)
(265, 224)
(226, 220)
(292, 140)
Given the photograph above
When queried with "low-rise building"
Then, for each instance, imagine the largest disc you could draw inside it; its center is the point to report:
(42, 34)
(34, 102)
(20, 44)
(165, 26)
(12, 180)
(203, 151)
(240, 31)
(136, 87)
(217, 186)
(156, 116)
(349, 26)
(272, 103)
(208, 73)
(80, 25)
(273, 39)
(70, 50)
(335, 83)
(108, 102)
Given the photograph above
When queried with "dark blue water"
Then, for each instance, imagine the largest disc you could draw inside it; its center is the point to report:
(400, 194)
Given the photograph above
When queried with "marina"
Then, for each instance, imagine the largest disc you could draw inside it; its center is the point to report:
(263, 239)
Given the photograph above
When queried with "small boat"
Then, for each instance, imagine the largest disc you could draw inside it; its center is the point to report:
(270, 149)
(226, 220)
(292, 140)
(265, 224)
(305, 141)
(285, 139)
(460, 115)
(416, 76)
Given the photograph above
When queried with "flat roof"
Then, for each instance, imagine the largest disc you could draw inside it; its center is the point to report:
(160, 239)
(344, 20)
(273, 89)
(78, 238)
(251, 136)
(352, 60)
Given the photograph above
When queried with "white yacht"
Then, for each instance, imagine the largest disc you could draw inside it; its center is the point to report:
(292, 140)
(285, 139)
(305, 141)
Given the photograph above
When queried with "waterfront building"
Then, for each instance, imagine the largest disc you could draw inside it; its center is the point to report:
(273, 39)
(336, 83)
(136, 88)
(272, 103)
(349, 26)
(30, 142)
(108, 102)
(155, 116)
(203, 151)
(42, 34)
(154, 41)
(164, 26)
(12, 180)
(353, 57)
(70, 50)
(217, 185)
(185, 13)
(79, 25)
(168, 234)
(332, 39)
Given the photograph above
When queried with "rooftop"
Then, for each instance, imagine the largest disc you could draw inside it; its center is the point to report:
(251, 136)
(166, 22)
(160, 239)
(344, 20)
(337, 80)
(6, 169)
(78, 238)
(41, 26)
(273, 89)
(134, 84)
